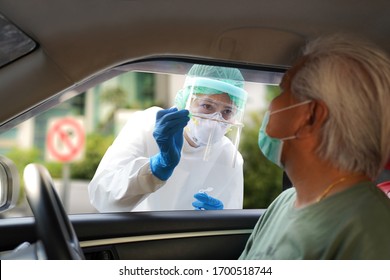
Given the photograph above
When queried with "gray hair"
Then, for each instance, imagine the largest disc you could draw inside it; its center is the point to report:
(352, 77)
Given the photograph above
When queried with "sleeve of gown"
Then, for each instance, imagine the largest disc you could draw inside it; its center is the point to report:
(123, 178)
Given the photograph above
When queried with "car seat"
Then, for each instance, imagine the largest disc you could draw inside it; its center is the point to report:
(385, 186)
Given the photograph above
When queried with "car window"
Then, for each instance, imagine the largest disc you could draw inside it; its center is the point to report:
(71, 137)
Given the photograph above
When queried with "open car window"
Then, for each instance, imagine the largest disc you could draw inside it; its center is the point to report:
(70, 133)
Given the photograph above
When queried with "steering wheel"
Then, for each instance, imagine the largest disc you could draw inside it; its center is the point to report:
(53, 226)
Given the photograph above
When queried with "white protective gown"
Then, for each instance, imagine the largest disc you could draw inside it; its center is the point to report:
(124, 181)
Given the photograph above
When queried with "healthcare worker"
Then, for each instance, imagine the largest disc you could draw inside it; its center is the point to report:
(178, 158)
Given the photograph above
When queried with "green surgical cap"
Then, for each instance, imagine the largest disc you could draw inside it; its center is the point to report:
(200, 81)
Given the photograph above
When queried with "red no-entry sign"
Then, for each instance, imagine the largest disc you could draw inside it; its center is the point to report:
(65, 139)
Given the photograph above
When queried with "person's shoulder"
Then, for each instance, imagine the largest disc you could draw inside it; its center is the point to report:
(369, 193)
(287, 194)
(281, 205)
(151, 110)
(376, 200)
(149, 113)
(284, 197)
(142, 119)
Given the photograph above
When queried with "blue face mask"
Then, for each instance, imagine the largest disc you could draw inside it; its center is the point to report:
(272, 147)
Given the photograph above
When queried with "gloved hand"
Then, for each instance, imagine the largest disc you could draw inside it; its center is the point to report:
(168, 133)
(206, 202)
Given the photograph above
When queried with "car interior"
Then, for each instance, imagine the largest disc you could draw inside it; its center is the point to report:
(52, 52)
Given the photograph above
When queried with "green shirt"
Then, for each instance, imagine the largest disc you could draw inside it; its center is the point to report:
(353, 224)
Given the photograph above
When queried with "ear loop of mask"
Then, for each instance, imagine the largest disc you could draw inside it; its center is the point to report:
(287, 108)
(292, 106)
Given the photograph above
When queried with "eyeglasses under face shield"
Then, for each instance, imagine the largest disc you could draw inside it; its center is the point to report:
(209, 96)
(207, 107)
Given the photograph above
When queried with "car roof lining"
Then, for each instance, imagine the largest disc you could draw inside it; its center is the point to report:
(91, 36)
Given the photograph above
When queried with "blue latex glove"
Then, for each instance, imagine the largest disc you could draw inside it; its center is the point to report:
(168, 133)
(206, 202)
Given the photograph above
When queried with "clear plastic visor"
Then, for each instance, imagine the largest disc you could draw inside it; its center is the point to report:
(204, 106)
(216, 119)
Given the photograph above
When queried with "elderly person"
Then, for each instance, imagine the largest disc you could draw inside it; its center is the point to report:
(329, 130)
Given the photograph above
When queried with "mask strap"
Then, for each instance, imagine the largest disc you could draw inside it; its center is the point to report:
(289, 107)
(292, 106)
(288, 138)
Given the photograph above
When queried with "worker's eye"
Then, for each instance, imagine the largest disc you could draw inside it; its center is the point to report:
(227, 114)
(207, 107)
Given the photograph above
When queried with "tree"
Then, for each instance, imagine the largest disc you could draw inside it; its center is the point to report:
(116, 96)
(262, 178)
(96, 146)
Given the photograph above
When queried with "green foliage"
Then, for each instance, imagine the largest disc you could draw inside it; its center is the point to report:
(96, 146)
(262, 179)
(116, 96)
(272, 92)
(22, 157)
(54, 168)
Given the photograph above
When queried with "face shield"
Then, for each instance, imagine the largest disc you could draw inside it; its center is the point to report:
(216, 110)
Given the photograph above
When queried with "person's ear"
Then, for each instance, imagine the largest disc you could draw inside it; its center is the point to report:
(316, 117)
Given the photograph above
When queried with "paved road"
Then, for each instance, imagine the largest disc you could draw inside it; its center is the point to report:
(77, 201)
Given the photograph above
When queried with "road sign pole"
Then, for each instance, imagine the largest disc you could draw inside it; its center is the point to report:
(65, 143)
(65, 185)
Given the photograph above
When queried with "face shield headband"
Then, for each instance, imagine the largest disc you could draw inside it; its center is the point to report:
(206, 86)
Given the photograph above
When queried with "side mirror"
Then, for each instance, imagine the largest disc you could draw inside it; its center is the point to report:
(9, 184)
